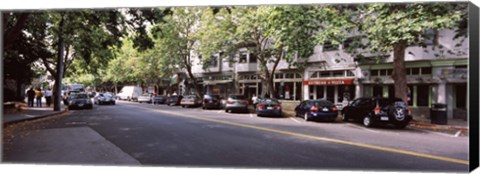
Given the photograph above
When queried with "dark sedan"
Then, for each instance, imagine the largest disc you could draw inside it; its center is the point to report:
(371, 111)
(269, 107)
(104, 98)
(161, 99)
(212, 102)
(317, 109)
(79, 100)
(174, 100)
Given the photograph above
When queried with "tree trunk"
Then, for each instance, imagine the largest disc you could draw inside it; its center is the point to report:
(399, 75)
(58, 79)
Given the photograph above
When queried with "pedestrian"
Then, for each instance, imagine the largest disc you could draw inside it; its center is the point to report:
(254, 101)
(48, 96)
(39, 95)
(31, 96)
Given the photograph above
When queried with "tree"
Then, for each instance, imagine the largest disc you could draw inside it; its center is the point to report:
(270, 33)
(178, 35)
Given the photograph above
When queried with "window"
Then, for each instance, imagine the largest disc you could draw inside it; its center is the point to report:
(352, 42)
(324, 74)
(314, 75)
(389, 72)
(252, 58)
(350, 73)
(328, 46)
(278, 76)
(338, 73)
(383, 72)
(415, 71)
(253, 77)
(373, 72)
(214, 61)
(426, 70)
(289, 75)
(243, 57)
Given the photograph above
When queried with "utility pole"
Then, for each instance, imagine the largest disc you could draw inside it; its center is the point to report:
(58, 81)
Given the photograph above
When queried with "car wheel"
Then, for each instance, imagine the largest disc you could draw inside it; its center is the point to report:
(345, 117)
(306, 117)
(367, 121)
(227, 111)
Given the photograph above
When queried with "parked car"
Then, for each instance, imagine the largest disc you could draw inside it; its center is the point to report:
(174, 100)
(212, 101)
(147, 98)
(130, 93)
(161, 99)
(67, 94)
(236, 102)
(190, 100)
(268, 107)
(317, 109)
(378, 110)
(104, 98)
(79, 100)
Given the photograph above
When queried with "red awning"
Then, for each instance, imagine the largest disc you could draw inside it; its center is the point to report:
(329, 82)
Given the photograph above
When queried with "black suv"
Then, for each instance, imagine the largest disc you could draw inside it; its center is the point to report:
(378, 110)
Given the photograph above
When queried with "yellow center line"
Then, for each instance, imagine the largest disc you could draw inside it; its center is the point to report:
(453, 160)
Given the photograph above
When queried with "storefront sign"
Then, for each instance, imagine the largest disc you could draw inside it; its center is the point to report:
(329, 82)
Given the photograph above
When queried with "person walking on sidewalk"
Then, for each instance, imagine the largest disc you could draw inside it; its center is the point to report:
(48, 96)
(30, 96)
(39, 95)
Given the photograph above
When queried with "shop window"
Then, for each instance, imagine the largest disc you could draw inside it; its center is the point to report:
(298, 93)
(320, 92)
(377, 91)
(324, 74)
(426, 70)
(391, 91)
(252, 58)
(415, 71)
(410, 95)
(243, 57)
(331, 93)
(338, 74)
(461, 95)
(422, 95)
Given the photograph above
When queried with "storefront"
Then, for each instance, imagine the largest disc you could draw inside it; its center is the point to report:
(218, 85)
(337, 91)
(288, 85)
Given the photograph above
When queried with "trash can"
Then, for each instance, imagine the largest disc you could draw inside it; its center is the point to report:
(438, 113)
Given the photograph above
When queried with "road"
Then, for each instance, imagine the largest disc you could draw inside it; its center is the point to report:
(157, 135)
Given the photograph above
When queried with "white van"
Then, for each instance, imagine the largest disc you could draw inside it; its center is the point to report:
(130, 93)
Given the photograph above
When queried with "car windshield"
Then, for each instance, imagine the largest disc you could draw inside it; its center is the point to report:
(238, 97)
(79, 96)
(107, 95)
(323, 103)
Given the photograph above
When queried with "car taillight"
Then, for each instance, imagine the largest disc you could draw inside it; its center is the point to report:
(334, 109)
(376, 110)
(229, 102)
(314, 109)
(261, 106)
(409, 111)
(278, 107)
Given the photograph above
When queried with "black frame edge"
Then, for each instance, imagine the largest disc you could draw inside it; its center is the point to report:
(473, 27)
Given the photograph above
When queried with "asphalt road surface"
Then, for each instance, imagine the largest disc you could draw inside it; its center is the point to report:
(158, 135)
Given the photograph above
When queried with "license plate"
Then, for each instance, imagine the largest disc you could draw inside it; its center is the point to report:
(325, 109)
(80, 105)
(384, 118)
(269, 107)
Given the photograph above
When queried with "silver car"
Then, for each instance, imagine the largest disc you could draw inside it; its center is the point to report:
(147, 98)
(236, 103)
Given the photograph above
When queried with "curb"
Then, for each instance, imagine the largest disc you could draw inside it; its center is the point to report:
(34, 118)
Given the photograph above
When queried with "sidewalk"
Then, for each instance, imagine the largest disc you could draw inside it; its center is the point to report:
(455, 127)
(30, 113)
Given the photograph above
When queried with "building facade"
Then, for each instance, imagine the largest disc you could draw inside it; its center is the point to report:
(436, 73)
